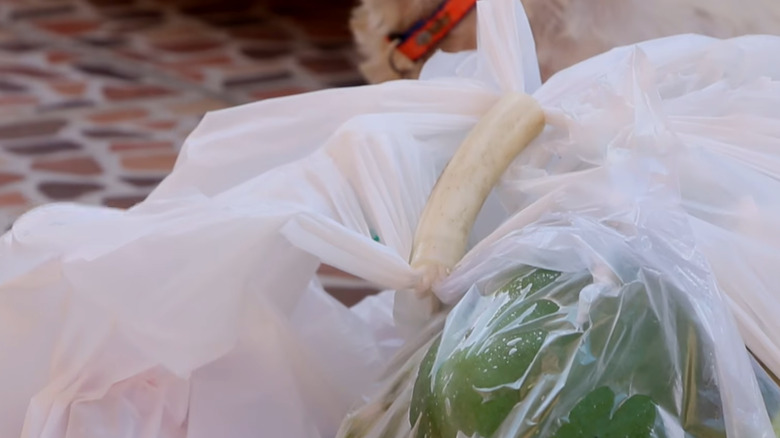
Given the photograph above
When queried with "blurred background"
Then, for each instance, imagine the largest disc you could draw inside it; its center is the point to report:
(97, 96)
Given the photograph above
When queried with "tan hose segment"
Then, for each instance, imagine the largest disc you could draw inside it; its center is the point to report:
(461, 190)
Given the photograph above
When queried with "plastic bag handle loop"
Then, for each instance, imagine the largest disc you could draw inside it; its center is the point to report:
(457, 197)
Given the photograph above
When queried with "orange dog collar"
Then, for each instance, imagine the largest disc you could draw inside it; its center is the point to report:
(423, 36)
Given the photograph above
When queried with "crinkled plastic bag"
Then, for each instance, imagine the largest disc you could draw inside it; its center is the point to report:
(592, 319)
(657, 176)
(198, 313)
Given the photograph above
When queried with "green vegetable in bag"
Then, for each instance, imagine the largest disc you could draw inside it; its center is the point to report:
(558, 355)
(637, 349)
(451, 403)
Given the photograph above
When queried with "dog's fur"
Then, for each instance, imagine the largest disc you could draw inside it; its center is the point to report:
(565, 31)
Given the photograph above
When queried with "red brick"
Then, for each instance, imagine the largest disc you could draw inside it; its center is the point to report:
(70, 27)
(73, 166)
(60, 56)
(157, 162)
(31, 129)
(8, 178)
(18, 100)
(203, 61)
(69, 88)
(28, 71)
(12, 199)
(279, 92)
(188, 45)
(190, 74)
(135, 92)
(161, 125)
(118, 115)
(120, 146)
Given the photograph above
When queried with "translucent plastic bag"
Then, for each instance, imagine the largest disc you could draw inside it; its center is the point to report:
(592, 319)
(198, 313)
(703, 109)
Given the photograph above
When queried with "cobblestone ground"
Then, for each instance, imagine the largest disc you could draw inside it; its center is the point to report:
(97, 96)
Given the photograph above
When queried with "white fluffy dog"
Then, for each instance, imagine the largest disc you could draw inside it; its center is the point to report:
(566, 31)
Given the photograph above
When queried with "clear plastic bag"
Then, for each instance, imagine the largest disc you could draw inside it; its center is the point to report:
(592, 319)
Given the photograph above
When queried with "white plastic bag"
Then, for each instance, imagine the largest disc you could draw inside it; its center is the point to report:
(198, 313)
(706, 111)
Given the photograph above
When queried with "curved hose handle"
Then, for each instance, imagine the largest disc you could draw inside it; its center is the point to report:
(460, 192)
